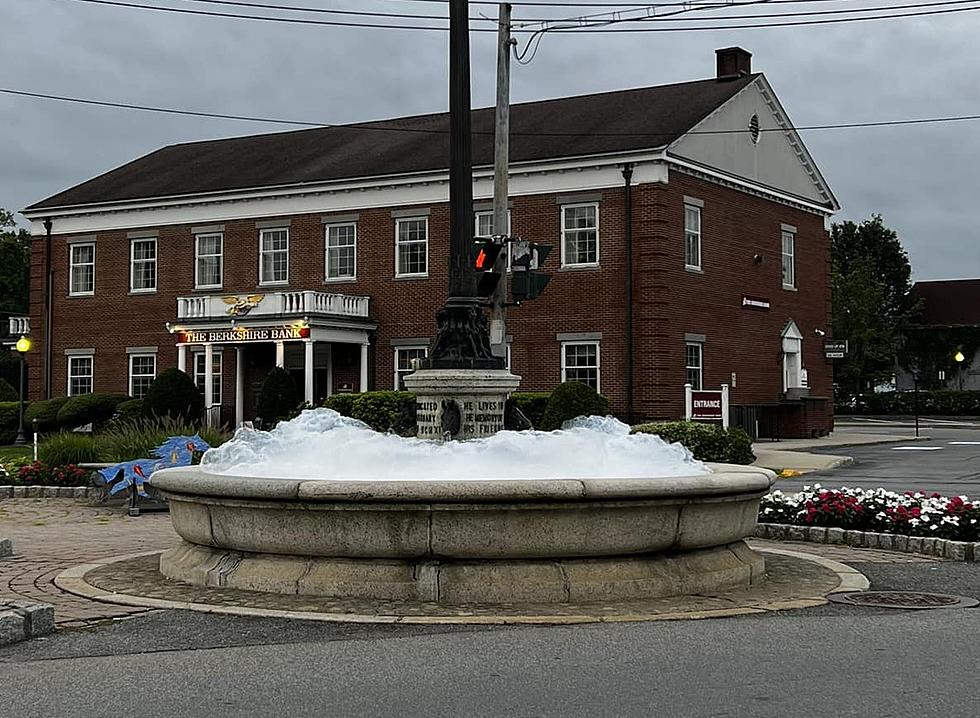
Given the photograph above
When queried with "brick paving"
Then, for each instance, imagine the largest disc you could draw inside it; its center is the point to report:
(51, 535)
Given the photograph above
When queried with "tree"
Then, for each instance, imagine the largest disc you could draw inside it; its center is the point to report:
(278, 399)
(15, 262)
(872, 296)
(174, 394)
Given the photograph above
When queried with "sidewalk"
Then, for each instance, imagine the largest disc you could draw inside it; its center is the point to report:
(793, 453)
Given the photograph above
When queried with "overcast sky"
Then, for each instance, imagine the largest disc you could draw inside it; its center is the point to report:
(923, 179)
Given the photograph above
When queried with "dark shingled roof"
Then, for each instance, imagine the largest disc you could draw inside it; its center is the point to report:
(584, 125)
(949, 302)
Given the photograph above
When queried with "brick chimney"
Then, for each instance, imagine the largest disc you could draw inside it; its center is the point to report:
(733, 62)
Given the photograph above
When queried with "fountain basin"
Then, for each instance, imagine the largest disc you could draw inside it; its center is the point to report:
(474, 541)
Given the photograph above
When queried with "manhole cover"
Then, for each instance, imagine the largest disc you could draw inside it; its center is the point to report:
(902, 599)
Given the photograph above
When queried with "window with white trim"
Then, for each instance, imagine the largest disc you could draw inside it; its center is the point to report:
(274, 256)
(208, 260)
(789, 259)
(694, 364)
(215, 375)
(341, 243)
(484, 228)
(80, 374)
(580, 362)
(580, 234)
(692, 236)
(142, 372)
(405, 359)
(412, 247)
(143, 265)
(82, 269)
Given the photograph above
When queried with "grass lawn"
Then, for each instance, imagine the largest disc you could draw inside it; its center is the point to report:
(16, 452)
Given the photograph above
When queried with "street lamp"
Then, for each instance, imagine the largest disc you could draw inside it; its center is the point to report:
(958, 358)
(23, 346)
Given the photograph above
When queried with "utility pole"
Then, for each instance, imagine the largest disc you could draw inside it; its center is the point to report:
(501, 160)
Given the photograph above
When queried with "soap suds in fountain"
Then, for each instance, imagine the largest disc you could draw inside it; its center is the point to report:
(322, 444)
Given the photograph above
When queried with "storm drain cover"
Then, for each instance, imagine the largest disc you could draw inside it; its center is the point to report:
(902, 599)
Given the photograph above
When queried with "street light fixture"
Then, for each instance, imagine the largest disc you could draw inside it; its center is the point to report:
(23, 346)
(958, 358)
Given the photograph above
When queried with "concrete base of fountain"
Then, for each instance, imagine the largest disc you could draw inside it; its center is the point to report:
(477, 541)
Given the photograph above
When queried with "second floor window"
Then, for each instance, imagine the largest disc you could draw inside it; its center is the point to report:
(273, 256)
(412, 247)
(82, 273)
(692, 237)
(143, 265)
(208, 260)
(693, 365)
(789, 259)
(341, 251)
(580, 235)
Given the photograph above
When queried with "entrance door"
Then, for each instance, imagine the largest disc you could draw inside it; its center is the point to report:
(259, 360)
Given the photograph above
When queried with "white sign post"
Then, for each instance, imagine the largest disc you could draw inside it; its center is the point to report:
(706, 404)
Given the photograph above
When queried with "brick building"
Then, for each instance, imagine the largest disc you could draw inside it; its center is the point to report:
(326, 251)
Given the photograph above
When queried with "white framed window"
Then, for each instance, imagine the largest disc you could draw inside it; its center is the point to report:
(208, 260)
(484, 228)
(405, 358)
(789, 259)
(81, 372)
(412, 247)
(142, 372)
(143, 265)
(694, 364)
(341, 248)
(274, 256)
(580, 235)
(82, 270)
(215, 375)
(692, 236)
(580, 362)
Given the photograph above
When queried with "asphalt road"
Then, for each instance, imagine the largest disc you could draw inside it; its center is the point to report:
(832, 661)
(947, 462)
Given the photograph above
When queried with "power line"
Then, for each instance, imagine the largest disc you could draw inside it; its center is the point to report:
(379, 126)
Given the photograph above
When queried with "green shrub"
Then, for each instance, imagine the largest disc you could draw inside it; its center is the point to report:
(381, 410)
(95, 409)
(343, 404)
(173, 394)
(46, 413)
(7, 392)
(69, 447)
(708, 442)
(137, 438)
(943, 402)
(128, 410)
(9, 418)
(570, 400)
(532, 404)
(278, 399)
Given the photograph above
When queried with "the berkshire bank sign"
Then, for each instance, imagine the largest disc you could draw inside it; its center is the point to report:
(243, 334)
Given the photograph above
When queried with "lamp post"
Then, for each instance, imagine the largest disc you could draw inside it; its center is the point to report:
(23, 346)
(958, 358)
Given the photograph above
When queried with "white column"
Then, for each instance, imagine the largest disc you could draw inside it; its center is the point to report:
(239, 386)
(329, 369)
(280, 355)
(364, 367)
(182, 357)
(208, 381)
(724, 406)
(308, 366)
(688, 402)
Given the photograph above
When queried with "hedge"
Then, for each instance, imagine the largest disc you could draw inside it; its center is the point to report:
(343, 404)
(938, 403)
(383, 410)
(46, 413)
(95, 409)
(570, 400)
(708, 442)
(174, 395)
(532, 404)
(7, 391)
(9, 416)
(278, 399)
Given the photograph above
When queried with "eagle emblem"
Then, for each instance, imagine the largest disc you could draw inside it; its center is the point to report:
(240, 306)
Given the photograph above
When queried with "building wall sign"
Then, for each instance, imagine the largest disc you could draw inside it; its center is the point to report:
(835, 348)
(757, 303)
(243, 335)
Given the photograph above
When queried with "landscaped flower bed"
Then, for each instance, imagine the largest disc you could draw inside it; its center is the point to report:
(875, 510)
(40, 474)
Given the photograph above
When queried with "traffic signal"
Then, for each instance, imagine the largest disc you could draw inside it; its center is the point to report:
(485, 253)
(527, 282)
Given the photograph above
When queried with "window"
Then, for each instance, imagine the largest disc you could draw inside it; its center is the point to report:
(273, 256)
(693, 364)
(484, 228)
(341, 259)
(412, 247)
(80, 375)
(692, 237)
(579, 235)
(405, 358)
(142, 372)
(580, 362)
(143, 265)
(789, 259)
(82, 279)
(209, 260)
(215, 375)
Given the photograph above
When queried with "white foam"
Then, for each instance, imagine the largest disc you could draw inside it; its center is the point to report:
(322, 444)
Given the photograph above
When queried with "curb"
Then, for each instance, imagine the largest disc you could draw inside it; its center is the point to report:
(44, 492)
(73, 581)
(939, 548)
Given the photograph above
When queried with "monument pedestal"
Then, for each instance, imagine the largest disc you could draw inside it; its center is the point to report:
(460, 403)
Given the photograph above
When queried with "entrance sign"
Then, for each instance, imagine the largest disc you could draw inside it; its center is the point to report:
(706, 405)
(759, 304)
(244, 335)
(835, 348)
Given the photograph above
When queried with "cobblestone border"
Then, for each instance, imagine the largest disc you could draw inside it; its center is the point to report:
(940, 548)
(20, 620)
(44, 492)
(6, 547)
